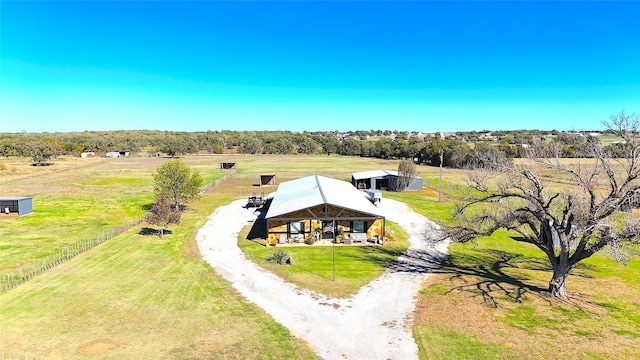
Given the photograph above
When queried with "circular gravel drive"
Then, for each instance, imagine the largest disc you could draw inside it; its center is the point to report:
(373, 324)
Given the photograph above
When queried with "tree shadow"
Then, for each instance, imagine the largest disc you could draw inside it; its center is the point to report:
(147, 207)
(147, 231)
(482, 276)
(492, 282)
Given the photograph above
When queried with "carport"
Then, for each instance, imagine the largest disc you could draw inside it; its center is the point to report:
(16, 206)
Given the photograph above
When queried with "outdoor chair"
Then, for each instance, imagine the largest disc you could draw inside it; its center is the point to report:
(359, 237)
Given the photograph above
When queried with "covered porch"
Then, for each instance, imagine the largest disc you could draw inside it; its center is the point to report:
(325, 224)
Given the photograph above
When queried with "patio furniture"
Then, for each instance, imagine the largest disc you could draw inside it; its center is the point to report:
(359, 237)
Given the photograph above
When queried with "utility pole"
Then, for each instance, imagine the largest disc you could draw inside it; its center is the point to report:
(440, 182)
(333, 259)
(333, 250)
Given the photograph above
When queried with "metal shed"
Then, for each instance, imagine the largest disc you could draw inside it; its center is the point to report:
(16, 205)
(382, 180)
(228, 165)
(267, 179)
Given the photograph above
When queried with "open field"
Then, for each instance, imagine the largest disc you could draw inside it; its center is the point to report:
(141, 297)
(127, 297)
(488, 302)
(146, 297)
(76, 199)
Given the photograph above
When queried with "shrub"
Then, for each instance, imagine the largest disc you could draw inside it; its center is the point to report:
(280, 257)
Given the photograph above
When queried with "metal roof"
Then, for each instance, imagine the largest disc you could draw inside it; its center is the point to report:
(14, 198)
(374, 173)
(316, 190)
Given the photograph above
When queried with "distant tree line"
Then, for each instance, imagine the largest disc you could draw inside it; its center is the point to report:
(457, 149)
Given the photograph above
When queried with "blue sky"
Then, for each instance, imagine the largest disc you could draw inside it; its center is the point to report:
(329, 65)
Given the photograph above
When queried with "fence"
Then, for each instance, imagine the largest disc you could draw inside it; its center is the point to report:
(205, 188)
(15, 356)
(9, 281)
(36, 268)
(434, 185)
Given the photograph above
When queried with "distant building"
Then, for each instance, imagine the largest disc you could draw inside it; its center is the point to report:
(382, 180)
(87, 154)
(228, 165)
(114, 154)
(267, 179)
(16, 206)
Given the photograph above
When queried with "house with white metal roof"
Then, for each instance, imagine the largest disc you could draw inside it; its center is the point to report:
(382, 180)
(316, 207)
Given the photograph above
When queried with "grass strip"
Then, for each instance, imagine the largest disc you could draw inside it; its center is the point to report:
(338, 271)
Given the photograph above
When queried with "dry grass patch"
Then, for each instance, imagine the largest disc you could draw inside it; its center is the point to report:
(498, 304)
(98, 347)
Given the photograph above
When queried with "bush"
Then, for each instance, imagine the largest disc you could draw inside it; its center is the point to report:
(280, 257)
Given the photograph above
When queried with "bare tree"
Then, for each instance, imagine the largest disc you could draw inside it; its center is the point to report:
(569, 210)
(163, 214)
(407, 173)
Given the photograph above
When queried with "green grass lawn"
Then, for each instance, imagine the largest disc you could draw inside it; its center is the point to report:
(145, 297)
(136, 296)
(141, 297)
(77, 203)
(488, 301)
(338, 271)
(506, 314)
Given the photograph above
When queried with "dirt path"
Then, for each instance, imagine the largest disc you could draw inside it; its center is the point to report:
(373, 324)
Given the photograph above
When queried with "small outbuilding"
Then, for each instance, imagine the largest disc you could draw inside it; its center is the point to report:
(228, 165)
(382, 180)
(267, 179)
(16, 206)
(114, 154)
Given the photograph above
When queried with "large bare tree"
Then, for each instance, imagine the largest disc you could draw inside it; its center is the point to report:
(407, 173)
(570, 209)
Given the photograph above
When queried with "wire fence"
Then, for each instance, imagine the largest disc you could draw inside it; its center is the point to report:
(446, 189)
(204, 189)
(16, 356)
(29, 271)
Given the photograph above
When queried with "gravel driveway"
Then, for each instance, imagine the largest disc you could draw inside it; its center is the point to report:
(373, 324)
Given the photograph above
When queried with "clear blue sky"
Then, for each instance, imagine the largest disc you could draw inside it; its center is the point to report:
(300, 65)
